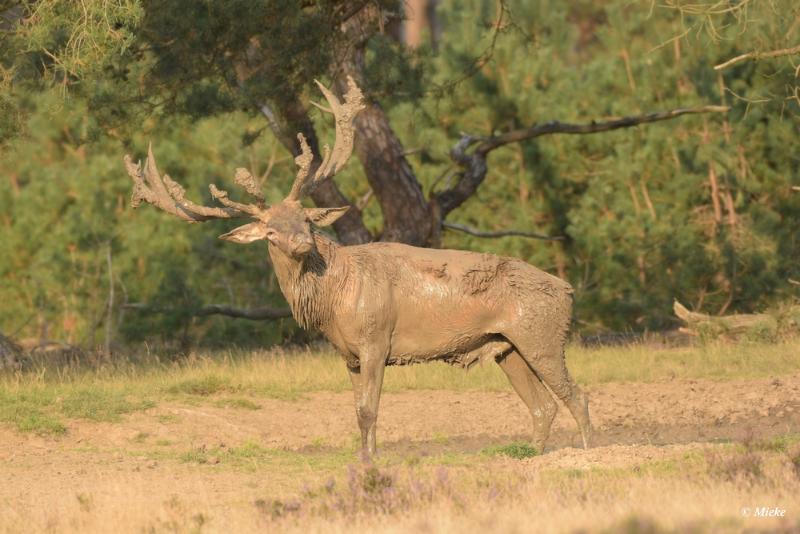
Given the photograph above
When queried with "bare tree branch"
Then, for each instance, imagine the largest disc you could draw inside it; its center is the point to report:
(556, 127)
(474, 166)
(755, 56)
(499, 233)
(263, 313)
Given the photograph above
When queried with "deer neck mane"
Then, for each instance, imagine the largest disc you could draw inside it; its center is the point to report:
(310, 284)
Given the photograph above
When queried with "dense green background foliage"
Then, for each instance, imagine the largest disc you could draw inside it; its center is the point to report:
(81, 87)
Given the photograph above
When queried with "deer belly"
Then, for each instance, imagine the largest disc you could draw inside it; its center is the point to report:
(457, 352)
(431, 338)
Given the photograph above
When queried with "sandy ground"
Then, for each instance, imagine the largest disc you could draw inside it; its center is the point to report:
(634, 423)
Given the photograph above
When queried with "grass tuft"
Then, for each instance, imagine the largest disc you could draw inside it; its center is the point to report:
(99, 405)
(34, 421)
(237, 402)
(203, 386)
(517, 450)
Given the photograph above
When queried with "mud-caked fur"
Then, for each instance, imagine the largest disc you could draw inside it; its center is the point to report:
(391, 304)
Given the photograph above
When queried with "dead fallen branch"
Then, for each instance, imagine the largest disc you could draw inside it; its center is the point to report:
(757, 326)
(11, 355)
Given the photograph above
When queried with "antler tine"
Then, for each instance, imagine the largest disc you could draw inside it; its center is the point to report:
(332, 160)
(243, 178)
(221, 196)
(169, 196)
(345, 133)
(303, 162)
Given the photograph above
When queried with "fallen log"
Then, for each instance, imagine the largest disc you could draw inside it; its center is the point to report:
(11, 355)
(756, 326)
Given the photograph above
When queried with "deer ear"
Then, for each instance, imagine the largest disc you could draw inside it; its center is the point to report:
(247, 233)
(325, 216)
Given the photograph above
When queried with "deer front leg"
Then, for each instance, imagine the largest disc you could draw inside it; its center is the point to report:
(367, 382)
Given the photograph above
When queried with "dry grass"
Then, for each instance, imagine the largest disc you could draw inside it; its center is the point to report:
(684, 493)
(244, 487)
(39, 399)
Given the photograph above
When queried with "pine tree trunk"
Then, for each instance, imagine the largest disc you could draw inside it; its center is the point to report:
(406, 217)
(406, 213)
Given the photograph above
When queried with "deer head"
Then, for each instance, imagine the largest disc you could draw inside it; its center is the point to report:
(287, 224)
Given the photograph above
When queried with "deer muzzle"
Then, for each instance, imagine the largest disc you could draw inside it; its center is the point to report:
(301, 245)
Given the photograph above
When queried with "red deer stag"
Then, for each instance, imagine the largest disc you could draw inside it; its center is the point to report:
(385, 304)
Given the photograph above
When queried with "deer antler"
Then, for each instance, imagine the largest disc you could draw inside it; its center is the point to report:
(162, 192)
(170, 196)
(332, 160)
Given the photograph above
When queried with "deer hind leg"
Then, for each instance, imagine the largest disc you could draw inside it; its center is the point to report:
(533, 393)
(546, 358)
(367, 381)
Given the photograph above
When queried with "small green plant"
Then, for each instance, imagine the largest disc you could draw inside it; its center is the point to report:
(197, 455)
(777, 444)
(84, 501)
(248, 449)
(518, 450)
(166, 418)
(441, 439)
(97, 405)
(241, 403)
(317, 444)
(38, 422)
(205, 386)
(140, 437)
(26, 411)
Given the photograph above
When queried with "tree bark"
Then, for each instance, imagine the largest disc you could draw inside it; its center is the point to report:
(406, 217)
(406, 214)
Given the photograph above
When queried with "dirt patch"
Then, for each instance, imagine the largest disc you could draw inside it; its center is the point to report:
(677, 411)
(635, 424)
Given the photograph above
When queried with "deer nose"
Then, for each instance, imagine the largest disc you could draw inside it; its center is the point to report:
(302, 244)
